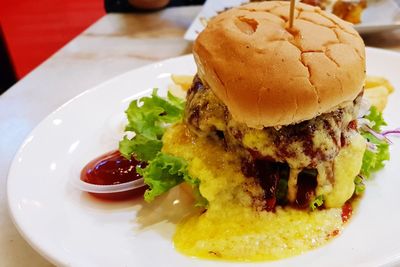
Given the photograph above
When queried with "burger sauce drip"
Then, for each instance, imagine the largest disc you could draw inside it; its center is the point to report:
(347, 211)
(269, 182)
(268, 174)
(306, 184)
(110, 169)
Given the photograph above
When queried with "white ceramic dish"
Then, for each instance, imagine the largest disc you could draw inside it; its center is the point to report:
(380, 15)
(70, 228)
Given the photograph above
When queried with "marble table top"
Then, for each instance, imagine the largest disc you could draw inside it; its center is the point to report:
(113, 45)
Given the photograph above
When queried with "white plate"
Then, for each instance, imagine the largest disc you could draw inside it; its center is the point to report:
(380, 15)
(70, 228)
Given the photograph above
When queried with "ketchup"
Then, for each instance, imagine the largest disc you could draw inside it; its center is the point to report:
(110, 169)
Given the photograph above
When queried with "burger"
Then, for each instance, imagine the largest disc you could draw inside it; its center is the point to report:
(268, 140)
(284, 100)
(270, 132)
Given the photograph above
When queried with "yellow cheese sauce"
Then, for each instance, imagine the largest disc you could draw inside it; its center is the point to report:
(234, 226)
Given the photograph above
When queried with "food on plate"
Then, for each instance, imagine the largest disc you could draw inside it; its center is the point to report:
(275, 138)
(184, 81)
(377, 96)
(180, 85)
(377, 90)
(375, 81)
(348, 10)
(323, 4)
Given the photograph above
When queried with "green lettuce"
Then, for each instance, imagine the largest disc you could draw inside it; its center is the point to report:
(145, 149)
(359, 185)
(148, 118)
(374, 160)
(376, 118)
(165, 172)
(149, 115)
(317, 202)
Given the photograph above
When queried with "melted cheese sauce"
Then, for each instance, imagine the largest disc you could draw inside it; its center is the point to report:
(345, 166)
(234, 227)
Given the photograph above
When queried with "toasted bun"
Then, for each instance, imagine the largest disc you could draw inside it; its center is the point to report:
(268, 75)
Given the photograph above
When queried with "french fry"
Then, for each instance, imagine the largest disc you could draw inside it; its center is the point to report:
(374, 81)
(185, 81)
(203, 21)
(177, 90)
(377, 96)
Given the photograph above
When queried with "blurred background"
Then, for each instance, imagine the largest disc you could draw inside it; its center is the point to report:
(32, 30)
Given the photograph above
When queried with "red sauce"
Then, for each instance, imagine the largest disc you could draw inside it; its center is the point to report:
(347, 211)
(353, 125)
(110, 169)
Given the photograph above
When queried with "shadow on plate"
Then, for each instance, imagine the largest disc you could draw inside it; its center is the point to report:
(170, 207)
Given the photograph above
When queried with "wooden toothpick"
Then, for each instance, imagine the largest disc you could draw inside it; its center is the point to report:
(291, 15)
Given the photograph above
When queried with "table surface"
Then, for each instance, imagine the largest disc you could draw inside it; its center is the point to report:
(113, 45)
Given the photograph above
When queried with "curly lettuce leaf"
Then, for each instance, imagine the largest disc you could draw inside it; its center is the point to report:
(374, 161)
(147, 118)
(177, 102)
(145, 149)
(165, 172)
(376, 118)
(359, 185)
(200, 200)
(317, 202)
(148, 115)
